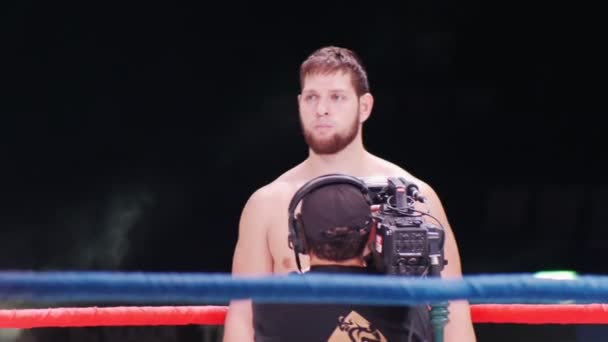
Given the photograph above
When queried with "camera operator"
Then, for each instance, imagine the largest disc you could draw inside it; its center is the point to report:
(336, 224)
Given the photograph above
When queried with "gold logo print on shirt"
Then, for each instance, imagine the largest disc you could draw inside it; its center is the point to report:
(355, 328)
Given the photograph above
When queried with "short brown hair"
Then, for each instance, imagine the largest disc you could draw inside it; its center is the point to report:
(351, 244)
(331, 59)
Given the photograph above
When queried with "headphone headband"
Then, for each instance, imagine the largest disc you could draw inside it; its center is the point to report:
(294, 239)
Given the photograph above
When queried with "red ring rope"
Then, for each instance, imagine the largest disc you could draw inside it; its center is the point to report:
(540, 314)
(215, 315)
(113, 316)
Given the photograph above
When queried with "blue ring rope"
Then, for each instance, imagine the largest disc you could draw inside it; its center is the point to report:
(199, 288)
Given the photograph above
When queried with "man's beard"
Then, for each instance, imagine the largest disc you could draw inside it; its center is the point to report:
(332, 144)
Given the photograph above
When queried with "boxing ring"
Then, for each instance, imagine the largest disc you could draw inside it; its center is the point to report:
(153, 299)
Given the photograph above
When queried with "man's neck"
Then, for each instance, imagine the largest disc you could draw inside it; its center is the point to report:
(350, 161)
(314, 261)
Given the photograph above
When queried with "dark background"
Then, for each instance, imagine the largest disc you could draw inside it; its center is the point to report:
(132, 134)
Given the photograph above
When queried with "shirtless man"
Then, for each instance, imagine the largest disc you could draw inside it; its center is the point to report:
(334, 102)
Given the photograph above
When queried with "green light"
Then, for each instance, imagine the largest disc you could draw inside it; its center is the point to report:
(557, 275)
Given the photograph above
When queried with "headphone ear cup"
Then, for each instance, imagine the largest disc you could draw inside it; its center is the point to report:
(296, 237)
(293, 234)
(302, 247)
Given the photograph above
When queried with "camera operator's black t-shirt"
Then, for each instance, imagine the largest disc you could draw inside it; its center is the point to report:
(340, 322)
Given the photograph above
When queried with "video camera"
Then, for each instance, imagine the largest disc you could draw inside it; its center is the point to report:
(405, 244)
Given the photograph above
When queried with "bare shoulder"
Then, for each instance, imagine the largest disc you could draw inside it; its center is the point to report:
(386, 168)
(278, 188)
(268, 193)
(272, 195)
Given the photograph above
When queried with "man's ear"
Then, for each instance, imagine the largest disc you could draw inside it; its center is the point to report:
(371, 240)
(366, 103)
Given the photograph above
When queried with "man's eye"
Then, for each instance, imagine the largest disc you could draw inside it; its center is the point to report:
(311, 97)
(337, 97)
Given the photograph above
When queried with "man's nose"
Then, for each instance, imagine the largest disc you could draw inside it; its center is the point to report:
(322, 108)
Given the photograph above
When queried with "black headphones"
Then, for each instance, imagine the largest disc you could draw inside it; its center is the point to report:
(296, 238)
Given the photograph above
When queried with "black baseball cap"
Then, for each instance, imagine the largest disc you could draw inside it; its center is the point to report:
(332, 206)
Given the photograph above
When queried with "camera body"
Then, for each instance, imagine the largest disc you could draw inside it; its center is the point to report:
(404, 243)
